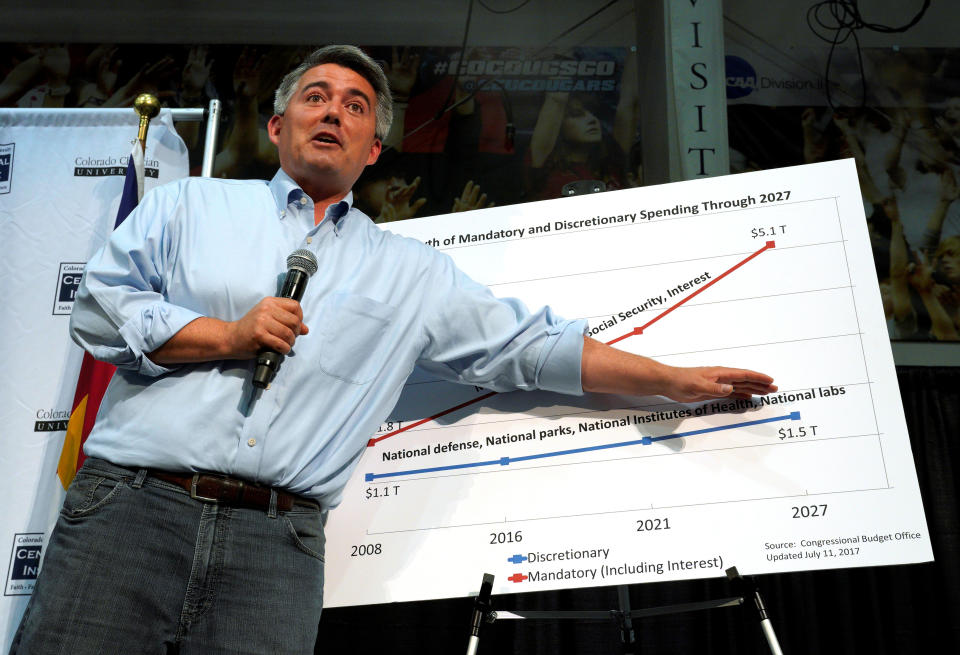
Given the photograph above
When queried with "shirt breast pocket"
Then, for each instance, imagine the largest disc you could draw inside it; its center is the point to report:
(354, 328)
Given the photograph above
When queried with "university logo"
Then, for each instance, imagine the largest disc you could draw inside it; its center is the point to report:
(6, 167)
(104, 166)
(24, 564)
(67, 284)
(51, 420)
(741, 77)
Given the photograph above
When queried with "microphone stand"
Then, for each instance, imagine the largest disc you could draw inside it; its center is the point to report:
(747, 588)
(483, 612)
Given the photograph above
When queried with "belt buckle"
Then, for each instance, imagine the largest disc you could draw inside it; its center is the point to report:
(195, 495)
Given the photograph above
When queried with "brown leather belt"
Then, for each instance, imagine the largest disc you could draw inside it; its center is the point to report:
(214, 488)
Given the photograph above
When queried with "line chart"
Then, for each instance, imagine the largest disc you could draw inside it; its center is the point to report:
(636, 331)
(644, 441)
(549, 491)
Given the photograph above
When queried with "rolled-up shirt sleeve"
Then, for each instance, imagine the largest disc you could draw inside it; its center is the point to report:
(473, 337)
(120, 312)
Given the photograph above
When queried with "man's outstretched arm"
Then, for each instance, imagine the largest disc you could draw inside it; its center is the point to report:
(608, 370)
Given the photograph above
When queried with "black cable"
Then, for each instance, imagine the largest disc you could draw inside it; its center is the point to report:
(503, 11)
(575, 26)
(445, 107)
(456, 76)
(846, 14)
(843, 19)
(780, 51)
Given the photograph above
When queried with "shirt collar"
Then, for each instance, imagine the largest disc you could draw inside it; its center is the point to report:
(286, 191)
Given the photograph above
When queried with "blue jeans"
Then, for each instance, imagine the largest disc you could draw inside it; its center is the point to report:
(135, 565)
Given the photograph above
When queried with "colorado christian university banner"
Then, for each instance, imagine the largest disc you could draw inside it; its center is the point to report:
(61, 177)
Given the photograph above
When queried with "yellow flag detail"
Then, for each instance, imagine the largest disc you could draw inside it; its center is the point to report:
(67, 467)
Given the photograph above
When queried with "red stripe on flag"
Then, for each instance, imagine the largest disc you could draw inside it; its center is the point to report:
(91, 386)
(97, 378)
(95, 375)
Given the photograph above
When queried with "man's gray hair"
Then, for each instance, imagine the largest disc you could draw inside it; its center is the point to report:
(356, 60)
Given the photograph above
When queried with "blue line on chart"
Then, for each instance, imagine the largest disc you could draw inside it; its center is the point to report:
(645, 441)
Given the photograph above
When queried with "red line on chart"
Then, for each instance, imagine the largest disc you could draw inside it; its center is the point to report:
(635, 331)
(639, 330)
(430, 418)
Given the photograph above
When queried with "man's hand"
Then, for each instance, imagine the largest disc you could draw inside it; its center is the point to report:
(396, 202)
(470, 199)
(196, 72)
(687, 385)
(273, 323)
(402, 74)
(247, 73)
(608, 370)
(920, 274)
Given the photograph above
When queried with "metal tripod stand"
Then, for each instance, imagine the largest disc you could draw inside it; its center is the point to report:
(746, 588)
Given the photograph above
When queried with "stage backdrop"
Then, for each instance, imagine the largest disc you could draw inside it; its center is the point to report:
(61, 174)
(485, 120)
(897, 113)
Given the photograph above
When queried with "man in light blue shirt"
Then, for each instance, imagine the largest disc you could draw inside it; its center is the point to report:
(199, 507)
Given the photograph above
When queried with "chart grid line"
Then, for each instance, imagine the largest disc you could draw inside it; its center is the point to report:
(657, 508)
(863, 351)
(719, 449)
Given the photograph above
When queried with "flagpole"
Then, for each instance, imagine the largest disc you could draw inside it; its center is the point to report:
(94, 375)
(147, 106)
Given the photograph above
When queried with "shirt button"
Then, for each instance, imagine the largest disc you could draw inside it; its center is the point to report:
(309, 239)
(251, 442)
(303, 200)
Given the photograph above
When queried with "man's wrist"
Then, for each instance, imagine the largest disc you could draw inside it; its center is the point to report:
(227, 339)
(660, 378)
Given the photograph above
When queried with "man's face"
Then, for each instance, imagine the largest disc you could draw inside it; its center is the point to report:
(948, 263)
(326, 136)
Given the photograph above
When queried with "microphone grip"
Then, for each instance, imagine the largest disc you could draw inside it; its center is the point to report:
(268, 360)
(294, 284)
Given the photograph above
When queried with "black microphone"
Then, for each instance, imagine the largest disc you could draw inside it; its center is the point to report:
(301, 264)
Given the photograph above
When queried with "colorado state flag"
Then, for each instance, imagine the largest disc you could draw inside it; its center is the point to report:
(95, 375)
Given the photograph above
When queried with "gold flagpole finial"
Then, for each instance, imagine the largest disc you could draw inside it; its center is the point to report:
(147, 106)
